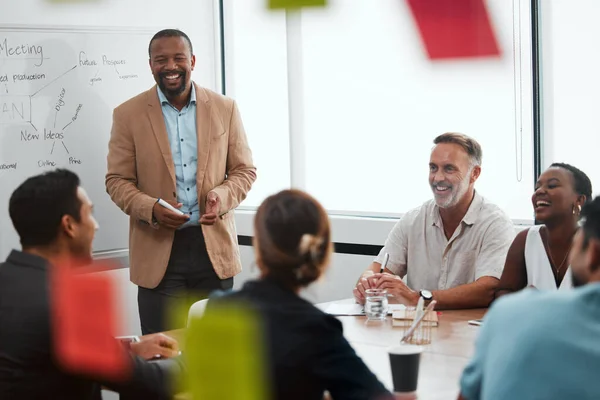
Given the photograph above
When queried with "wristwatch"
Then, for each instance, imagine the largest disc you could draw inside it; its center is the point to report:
(426, 295)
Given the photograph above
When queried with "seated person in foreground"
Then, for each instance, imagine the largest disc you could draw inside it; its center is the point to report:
(544, 344)
(538, 256)
(53, 217)
(452, 248)
(308, 353)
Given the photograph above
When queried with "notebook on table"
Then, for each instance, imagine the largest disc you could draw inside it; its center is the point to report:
(400, 317)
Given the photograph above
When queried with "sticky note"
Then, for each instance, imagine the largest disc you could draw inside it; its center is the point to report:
(455, 28)
(84, 323)
(225, 355)
(287, 4)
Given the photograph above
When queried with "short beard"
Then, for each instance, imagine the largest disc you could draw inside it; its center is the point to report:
(459, 191)
(171, 92)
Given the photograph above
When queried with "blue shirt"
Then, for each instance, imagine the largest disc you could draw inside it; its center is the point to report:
(538, 345)
(181, 128)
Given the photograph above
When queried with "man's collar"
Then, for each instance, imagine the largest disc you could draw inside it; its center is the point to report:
(163, 99)
(473, 212)
(27, 259)
(469, 218)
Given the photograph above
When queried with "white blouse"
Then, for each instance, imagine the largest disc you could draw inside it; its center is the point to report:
(539, 269)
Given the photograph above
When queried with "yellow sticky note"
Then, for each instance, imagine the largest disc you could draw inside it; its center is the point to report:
(225, 356)
(285, 4)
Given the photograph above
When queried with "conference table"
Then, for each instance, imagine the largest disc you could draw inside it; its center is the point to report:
(442, 362)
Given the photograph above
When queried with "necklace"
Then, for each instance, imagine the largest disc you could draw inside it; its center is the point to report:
(564, 259)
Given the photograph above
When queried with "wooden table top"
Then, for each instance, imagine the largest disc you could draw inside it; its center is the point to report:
(442, 363)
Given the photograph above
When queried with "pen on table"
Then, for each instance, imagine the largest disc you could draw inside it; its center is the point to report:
(386, 257)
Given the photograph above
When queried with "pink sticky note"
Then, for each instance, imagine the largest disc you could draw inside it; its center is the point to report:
(455, 28)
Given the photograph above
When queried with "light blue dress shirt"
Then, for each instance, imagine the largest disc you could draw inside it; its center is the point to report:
(181, 128)
(538, 345)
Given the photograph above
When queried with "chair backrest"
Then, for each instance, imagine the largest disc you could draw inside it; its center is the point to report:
(197, 309)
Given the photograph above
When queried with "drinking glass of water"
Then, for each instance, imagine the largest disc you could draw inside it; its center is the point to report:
(376, 304)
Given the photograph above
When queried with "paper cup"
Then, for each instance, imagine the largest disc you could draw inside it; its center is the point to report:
(404, 362)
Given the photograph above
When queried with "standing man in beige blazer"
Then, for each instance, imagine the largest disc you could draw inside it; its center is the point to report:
(186, 145)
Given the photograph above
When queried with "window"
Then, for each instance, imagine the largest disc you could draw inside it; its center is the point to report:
(256, 77)
(373, 103)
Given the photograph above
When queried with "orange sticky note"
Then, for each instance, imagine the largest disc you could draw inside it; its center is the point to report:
(84, 319)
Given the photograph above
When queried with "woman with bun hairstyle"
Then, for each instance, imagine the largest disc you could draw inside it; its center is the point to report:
(307, 353)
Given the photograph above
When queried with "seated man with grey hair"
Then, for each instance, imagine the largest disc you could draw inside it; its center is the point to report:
(452, 248)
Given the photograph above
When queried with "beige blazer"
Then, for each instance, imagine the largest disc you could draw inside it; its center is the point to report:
(141, 169)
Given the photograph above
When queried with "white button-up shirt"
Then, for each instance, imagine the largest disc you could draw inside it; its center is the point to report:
(419, 249)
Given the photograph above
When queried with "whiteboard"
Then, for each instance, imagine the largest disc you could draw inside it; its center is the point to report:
(58, 89)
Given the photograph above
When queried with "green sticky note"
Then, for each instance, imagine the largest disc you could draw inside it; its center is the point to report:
(285, 4)
(225, 356)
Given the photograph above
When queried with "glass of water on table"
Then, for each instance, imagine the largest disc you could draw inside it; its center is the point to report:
(376, 304)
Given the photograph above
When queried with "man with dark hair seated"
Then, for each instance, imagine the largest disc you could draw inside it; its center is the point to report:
(53, 216)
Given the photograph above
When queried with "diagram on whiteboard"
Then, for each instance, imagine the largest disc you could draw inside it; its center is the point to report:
(58, 89)
(49, 122)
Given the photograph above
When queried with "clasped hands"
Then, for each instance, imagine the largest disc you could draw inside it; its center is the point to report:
(393, 284)
(169, 219)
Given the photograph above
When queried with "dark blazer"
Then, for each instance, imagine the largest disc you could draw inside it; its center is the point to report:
(27, 366)
(307, 351)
